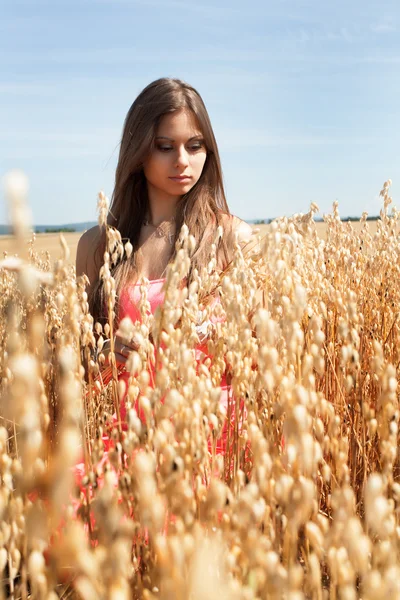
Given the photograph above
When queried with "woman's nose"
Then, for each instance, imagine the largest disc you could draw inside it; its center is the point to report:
(182, 158)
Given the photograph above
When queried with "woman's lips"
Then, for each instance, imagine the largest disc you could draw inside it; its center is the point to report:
(181, 179)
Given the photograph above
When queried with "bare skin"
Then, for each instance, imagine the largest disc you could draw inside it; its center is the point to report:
(179, 152)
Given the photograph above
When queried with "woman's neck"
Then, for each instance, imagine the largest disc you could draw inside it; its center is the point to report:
(162, 207)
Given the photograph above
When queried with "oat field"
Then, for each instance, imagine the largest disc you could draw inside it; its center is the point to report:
(50, 242)
(45, 242)
(122, 488)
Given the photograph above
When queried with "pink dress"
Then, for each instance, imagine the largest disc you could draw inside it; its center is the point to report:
(129, 308)
(129, 301)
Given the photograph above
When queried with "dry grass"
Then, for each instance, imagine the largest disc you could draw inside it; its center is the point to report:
(45, 242)
(321, 228)
(50, 242)
(303, 503)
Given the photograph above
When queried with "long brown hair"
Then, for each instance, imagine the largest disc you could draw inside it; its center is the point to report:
(202, 208)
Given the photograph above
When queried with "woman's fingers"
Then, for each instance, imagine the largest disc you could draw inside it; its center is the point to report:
(120, 358)
(124, 349)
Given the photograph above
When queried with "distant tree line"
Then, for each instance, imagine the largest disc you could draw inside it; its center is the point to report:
(57, 230)
(317, 220)
(262, 221)
(369, 218)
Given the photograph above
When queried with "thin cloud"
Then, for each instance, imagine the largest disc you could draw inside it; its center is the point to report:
(27, 89)
(70, 153)
(200, 9)
(383, 26)
(239, 139)
(30, 144)
(60, 137)
(378, 59)
(131, 54)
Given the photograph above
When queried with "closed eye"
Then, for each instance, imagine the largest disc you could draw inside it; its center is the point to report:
(194, 147)
(197, 146)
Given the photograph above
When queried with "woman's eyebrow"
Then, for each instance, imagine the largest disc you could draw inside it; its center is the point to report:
(164, 137)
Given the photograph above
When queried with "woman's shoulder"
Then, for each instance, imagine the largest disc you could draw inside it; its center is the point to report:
(90, 235)
(242, 230)
(85, 252)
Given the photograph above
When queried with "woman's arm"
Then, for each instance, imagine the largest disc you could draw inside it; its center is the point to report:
(85, 256)
(86, 265)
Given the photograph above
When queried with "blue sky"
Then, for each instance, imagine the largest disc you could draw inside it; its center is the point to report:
(303, 96)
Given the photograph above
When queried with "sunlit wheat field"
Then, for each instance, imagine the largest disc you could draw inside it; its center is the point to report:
(148, 482)
(50, 242)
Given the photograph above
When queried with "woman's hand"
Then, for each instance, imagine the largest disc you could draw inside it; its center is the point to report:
(205, 331)
(122, 349)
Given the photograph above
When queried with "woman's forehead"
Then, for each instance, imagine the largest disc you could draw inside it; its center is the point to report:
(179, 124)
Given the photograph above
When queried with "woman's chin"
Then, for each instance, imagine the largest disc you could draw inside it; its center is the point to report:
(180, 189)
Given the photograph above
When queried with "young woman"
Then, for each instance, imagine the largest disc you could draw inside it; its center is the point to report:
(168, 173)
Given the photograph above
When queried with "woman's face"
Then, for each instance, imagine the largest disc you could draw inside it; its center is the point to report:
(177, 161)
